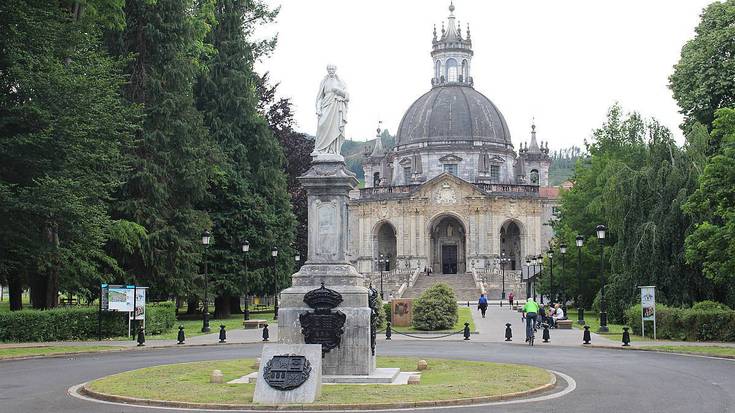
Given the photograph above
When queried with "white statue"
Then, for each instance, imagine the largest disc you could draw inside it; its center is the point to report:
(331, 108)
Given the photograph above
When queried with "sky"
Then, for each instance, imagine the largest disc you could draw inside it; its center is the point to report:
(562, 63)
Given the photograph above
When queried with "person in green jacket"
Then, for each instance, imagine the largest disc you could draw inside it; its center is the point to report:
(530, 312)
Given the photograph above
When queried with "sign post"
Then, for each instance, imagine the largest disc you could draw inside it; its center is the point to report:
(124, 298)
(648, 308)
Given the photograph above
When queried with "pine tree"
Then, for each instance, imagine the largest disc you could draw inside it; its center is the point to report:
(173, 158)
(249, 198)
(63, 127)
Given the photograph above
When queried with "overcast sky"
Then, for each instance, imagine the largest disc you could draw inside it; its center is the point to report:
(562, 62)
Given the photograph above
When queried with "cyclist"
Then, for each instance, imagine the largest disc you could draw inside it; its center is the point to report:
(530, 311)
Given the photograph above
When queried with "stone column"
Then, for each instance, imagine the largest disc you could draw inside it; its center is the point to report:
(327, 184)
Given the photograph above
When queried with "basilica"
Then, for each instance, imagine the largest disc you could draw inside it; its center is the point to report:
(453, 195)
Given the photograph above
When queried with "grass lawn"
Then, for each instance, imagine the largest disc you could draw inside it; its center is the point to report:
(592, 319)
(445, 379)
(707, 350)
(11, 352)
(465, 316)
(193, 328)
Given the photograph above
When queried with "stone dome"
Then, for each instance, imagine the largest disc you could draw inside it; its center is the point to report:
(453, 112)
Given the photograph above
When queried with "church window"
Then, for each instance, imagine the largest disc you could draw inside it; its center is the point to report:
(495, 173)
(376, 179)
(438, 70)
(407, 175)
(465, 70)
(451, 168)
(451, 70)
(534, 176)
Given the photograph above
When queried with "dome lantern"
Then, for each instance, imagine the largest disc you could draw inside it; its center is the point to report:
(451, 54)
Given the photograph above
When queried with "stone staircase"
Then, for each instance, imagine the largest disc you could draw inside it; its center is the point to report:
(462, 284)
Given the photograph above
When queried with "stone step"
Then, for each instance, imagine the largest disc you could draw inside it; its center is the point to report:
(463, 285)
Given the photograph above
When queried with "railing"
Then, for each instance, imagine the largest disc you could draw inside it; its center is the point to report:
(379, 192)
(530, 190)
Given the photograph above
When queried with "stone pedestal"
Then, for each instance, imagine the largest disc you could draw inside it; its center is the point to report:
(328, 184)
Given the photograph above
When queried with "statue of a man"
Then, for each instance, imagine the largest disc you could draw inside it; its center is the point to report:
(331, 108)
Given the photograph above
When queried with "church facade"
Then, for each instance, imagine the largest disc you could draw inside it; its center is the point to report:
(453, 194)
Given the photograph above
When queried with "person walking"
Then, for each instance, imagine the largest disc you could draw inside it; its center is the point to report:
(482, 304)
(530, 312)
(510, 299)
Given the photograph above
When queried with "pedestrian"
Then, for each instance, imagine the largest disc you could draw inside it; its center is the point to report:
(482, 304)
(510, 299)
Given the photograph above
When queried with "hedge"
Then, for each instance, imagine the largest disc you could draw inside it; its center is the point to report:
(686, 324)
(78, 323)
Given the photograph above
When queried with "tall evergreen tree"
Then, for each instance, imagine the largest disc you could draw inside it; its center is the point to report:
(63, 128)
(249, 198)
(173, 157)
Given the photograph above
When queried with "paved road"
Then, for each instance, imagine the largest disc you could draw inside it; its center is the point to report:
(606, 380)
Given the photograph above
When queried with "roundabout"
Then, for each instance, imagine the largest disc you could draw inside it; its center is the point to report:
(444, 383)
(587, 379)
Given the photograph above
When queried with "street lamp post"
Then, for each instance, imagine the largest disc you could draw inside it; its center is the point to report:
(550, 254)
(381, 265)
(603, 305)
(563, 251)
(274, 255)
(580, 307)
(206, 238)
(245, 250)
(535, 261)
(540, 270)
(503, 261)
(528, 277)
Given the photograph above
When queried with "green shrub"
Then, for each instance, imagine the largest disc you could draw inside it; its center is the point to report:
(686, 324)
(707, 305)
(78, 323)
(386, 312)
(435, 309)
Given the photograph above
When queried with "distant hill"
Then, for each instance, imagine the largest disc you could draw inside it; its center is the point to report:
(562, 166)
(354, 152)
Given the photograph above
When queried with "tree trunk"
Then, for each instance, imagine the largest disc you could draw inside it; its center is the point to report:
(15, 294)
(38, 286)
(192, 304)
(222, 306)
(235, 305)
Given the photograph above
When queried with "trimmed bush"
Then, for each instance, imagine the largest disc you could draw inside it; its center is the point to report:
(435, 309)
(686, 324)
(708, 305)
(78, 323)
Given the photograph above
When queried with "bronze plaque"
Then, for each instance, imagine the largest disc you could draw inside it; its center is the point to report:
(401, 312)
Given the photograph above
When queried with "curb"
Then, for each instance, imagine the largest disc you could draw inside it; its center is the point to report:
(129, 348)
(86, 391)
(655, 350)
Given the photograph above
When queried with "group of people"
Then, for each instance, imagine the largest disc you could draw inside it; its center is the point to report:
(536, 315)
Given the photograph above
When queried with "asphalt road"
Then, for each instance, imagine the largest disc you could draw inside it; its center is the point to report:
(606, 380)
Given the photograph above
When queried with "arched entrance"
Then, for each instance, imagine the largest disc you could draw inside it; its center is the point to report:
(385, 245)
(510, 244)
(448, 245)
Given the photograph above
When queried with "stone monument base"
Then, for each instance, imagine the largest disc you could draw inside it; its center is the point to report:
(389, 376)
(306, 392)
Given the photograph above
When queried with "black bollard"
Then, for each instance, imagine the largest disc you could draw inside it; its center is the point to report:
(508, 332)
(388, 331)
(626, 337)
(468, 303)
(586, 336)
(222, 333)
(265, 332)
(141, 337)
(466, 331)
(181, 337)
(546, 336)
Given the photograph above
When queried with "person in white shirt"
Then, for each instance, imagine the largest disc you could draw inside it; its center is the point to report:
(558, 313)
